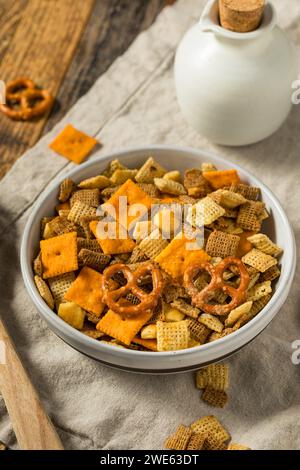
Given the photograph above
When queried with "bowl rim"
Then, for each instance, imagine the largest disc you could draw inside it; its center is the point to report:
(276, 301)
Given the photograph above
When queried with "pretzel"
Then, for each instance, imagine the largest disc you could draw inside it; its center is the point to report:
(201, 299)
(32, 102)
(115, 298)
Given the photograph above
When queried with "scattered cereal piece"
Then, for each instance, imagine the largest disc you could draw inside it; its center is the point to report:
(263, 243)
(150, 170)
(198, 331)
(215, 376)
(123, 330)
(179, 440)
(217, 398)
(72, 314)
(44, 291)
(59, 255)
(95, 182)
(172, 336)
(169, 186)
(196, 442)
(73, 144)
(185, 308)
(212, 442)
(222, 244)
(85, 291)
(212, 322)
(234, 446)
(67, 186)
(210, 424)
(220, 178)
(259, 260)
(237, 313)
(59, 286)
(204, 212)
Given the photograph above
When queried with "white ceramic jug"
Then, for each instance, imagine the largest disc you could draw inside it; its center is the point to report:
(235, 88)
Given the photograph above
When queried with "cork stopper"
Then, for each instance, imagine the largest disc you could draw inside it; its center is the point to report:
(241, 16)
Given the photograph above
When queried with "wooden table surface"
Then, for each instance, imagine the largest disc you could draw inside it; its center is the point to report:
(64, 46)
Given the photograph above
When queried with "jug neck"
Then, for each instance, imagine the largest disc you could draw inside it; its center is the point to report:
(210, 23)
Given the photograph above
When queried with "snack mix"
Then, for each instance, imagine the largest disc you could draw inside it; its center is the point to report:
(150, 260)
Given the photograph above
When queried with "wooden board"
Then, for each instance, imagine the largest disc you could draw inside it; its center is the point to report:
(39, 44)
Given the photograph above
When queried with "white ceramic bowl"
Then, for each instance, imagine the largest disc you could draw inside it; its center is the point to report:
(171, 157)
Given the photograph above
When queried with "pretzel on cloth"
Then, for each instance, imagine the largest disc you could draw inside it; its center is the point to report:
(201, 298)
(115, 298)
(32, 102)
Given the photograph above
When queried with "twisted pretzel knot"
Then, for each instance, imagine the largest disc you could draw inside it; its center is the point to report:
(201, 299)
(32, 102)
(115, 298)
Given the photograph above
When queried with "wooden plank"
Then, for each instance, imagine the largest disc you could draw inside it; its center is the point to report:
(111, 29)
(41, 48)
(32, 426)
(10, 16)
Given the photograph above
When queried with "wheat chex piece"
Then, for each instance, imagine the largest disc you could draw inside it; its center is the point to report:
(137, 256)
(196, 442)
(198, 331)
(271, 274)
(94, 260)
(215, 376)
(235, 446)
(212, 442)
(222, 244)
(259, 290)
(90, 197)
(120, 176)
(37, 265)
(59, 255)
(212, 322)
(169, 186)
(78, 210)
(249, 215)
(86, 292)
(180, 439)
(204, 212)
(59, 286)
(150, 170)
(210, 424)
(263, 243)
(84, 224)
(66, 188)
(150, 189)
(95, 182)
(123, 330)
(238, 312)
(92, 245)
(248, 192)
(152, 246)
(185, 308)
(217, 398)
(172, 336)
(107, 193)
(44, 291)
(257, 307)
(60, 225)
(259, 260)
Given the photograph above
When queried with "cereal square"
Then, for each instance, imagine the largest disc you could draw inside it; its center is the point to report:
(59, 255)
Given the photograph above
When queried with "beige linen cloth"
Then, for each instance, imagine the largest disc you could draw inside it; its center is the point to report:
(134, 103)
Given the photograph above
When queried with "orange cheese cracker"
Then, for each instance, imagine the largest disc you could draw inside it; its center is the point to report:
(123, 330)
(177, 256)
(244, 245)
(146, 343)
(113, 246)
(59, 254)
(86, 292)
(135, 195)
(73, 144)
(220, 178)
